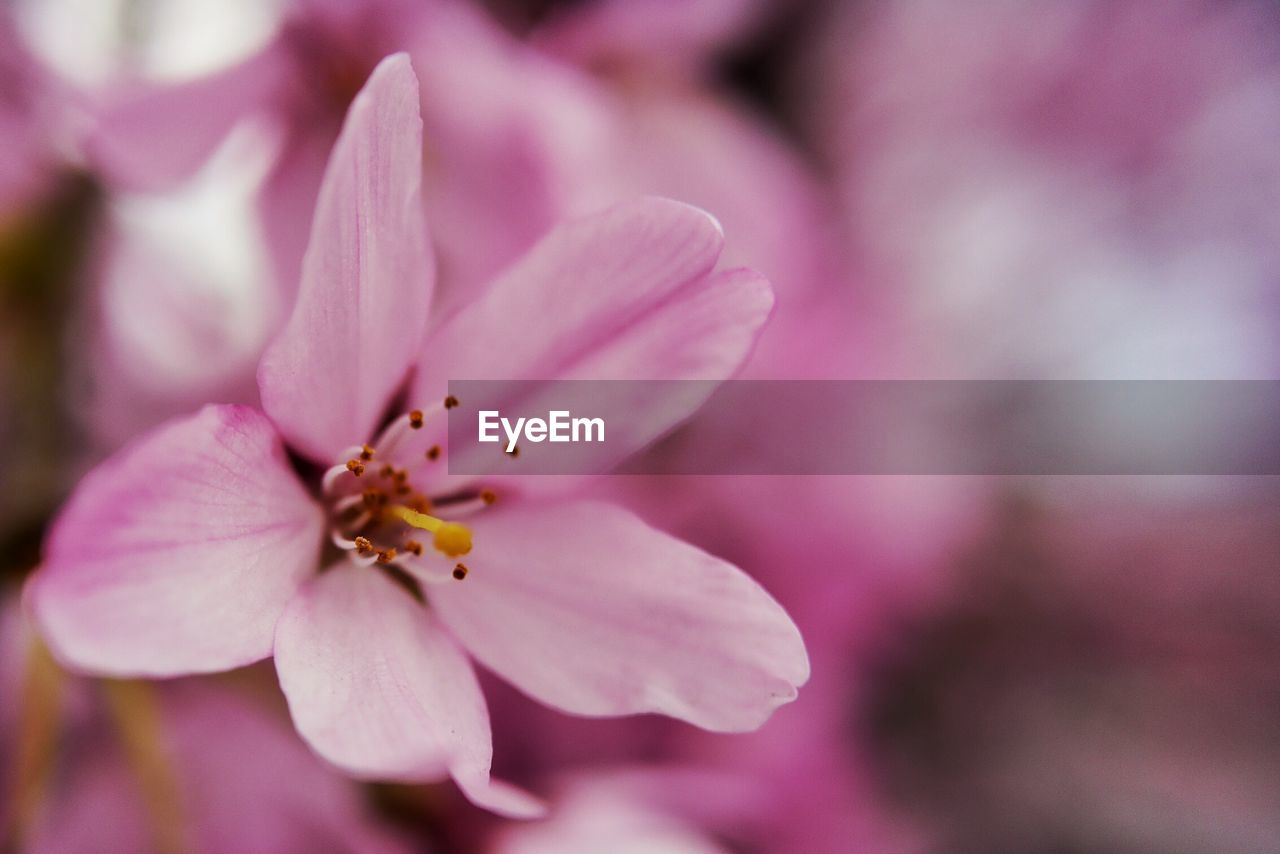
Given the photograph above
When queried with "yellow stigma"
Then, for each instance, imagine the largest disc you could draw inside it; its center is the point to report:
(451, 538)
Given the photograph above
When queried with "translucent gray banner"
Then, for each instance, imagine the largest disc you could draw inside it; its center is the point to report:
(1041, 427)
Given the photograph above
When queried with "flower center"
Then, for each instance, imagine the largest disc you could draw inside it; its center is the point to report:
(377, 513)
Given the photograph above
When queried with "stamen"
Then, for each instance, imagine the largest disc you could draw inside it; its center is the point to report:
(355, 467)
(460, 571)
(366, 453)
(349, 452)
(342, 505)
(364, 548)
(426, 568)
(433, 453)
(330, 479)
(514, 452)
(342, 542)
(450, 402)
(386, 556)
(360, 521)
(466, 501)
(391, 437)
(413, 547)
(451, 538)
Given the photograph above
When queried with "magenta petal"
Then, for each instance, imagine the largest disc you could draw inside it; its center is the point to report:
(378, 688)
(587, 282)
(662, 32)
(178, 554)
(507, 129)
(586, 608)
(367, 277)
(158, 136)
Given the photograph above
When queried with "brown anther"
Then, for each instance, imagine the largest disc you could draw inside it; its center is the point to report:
(460, 571)
(488, 496)
(387, 470)
(413, 547)
(403, 489)
(433, 453)
(514, 452)
(355, 467)
(366, 452)
(415, 419)
(364, 548)
(386, 555)
(450, 402)
(419, 503)
(400, 476)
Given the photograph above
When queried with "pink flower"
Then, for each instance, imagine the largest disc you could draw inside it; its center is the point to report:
(181, 300)
(27, 124)
(506, 130)
(671, 36)
(1086, 191)
(196, 548)
(669, 127)
(240, 781)
(612, 812)
(690, 808)
(516, 138)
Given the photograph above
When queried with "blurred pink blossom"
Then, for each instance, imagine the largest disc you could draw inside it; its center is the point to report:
(697, 808)
(196, 549)
(516, 138)
(28, 124)
(1104, 673)
(607, 812)
(242, 782)
(182, 300)
(1063, 190)
(670, 127)
(504, 127)
(671, 36)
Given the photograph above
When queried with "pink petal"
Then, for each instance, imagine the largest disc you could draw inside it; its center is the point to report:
(155, 137)
(182, 310)
(662, 32)
(508, 130)
(366, 278)
(594, 816)
(376, 686)
(242, 781)
(624, 294)
(585, 282)
(715, 154)
(589, 610)
(706, 332)
(287, 201)
(178, 554)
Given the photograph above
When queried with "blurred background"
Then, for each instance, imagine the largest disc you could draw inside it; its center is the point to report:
(995, 189)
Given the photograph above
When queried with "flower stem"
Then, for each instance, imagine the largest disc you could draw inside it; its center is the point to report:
(137, 717)
(37, 737)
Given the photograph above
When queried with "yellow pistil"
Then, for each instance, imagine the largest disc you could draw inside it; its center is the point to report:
(451, 538)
